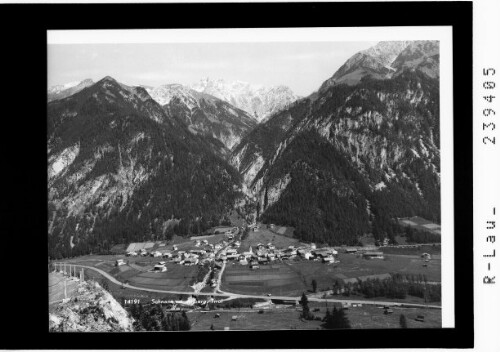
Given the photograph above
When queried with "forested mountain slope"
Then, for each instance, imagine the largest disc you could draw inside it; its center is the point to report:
(121, 169)
(351, 157)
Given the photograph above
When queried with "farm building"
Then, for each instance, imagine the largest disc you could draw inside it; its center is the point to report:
(373, 255)
(350, 250)
(120, 262)
(329, 259)
(262, 305)
(160, 267)
(167, 254)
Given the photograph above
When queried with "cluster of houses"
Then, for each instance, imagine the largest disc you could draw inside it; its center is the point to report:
(268, 253)
(204, 252)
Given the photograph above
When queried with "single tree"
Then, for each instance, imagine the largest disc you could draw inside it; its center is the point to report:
(402, 322)
(314, 285)
(304, 302)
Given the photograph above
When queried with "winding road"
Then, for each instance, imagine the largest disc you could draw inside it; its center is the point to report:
(237, 295)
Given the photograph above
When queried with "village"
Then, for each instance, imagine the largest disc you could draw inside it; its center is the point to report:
(229, 250)
(262, 268)
(217, 250)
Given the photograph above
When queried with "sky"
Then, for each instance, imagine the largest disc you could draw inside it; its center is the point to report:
(302, 66)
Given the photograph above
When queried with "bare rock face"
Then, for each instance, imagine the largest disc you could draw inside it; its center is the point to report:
(92, 310)
(386, 60)
(259, 101)
(369, 138)
(205, 114)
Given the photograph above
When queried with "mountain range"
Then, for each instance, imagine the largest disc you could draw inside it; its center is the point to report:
(65, 90)
(257, 100)
(139, 163)
(204, 113)
(121, 169)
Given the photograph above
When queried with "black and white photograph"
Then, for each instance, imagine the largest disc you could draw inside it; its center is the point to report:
(241, 175)
(253, 179)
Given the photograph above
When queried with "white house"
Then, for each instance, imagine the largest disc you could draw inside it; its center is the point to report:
(120, 262)
(160, 267)
(328, 259)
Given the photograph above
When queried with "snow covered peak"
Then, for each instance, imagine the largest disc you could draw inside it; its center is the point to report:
(387, 59)
(64, 90)
(257, 100)
(164, 93)
(387, 51)
(60, 87)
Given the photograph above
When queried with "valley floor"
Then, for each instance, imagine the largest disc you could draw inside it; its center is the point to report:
(281, 280)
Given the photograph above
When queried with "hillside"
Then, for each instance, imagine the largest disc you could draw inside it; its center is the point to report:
(119, 168)
(65, 90)
(346, 160)
(204, 114)
(90, 309)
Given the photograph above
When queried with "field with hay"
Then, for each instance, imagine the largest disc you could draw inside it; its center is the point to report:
(276, 279)
(366, 317)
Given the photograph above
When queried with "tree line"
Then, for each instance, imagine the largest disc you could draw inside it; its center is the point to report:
(156, 318)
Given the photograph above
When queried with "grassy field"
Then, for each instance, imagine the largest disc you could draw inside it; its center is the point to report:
(291, 278)
(251, 320)
(282, 230)
(370, 317)
(433, 250)
(276, 279)
(353, 266)
(176, 278)
(367, 317)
